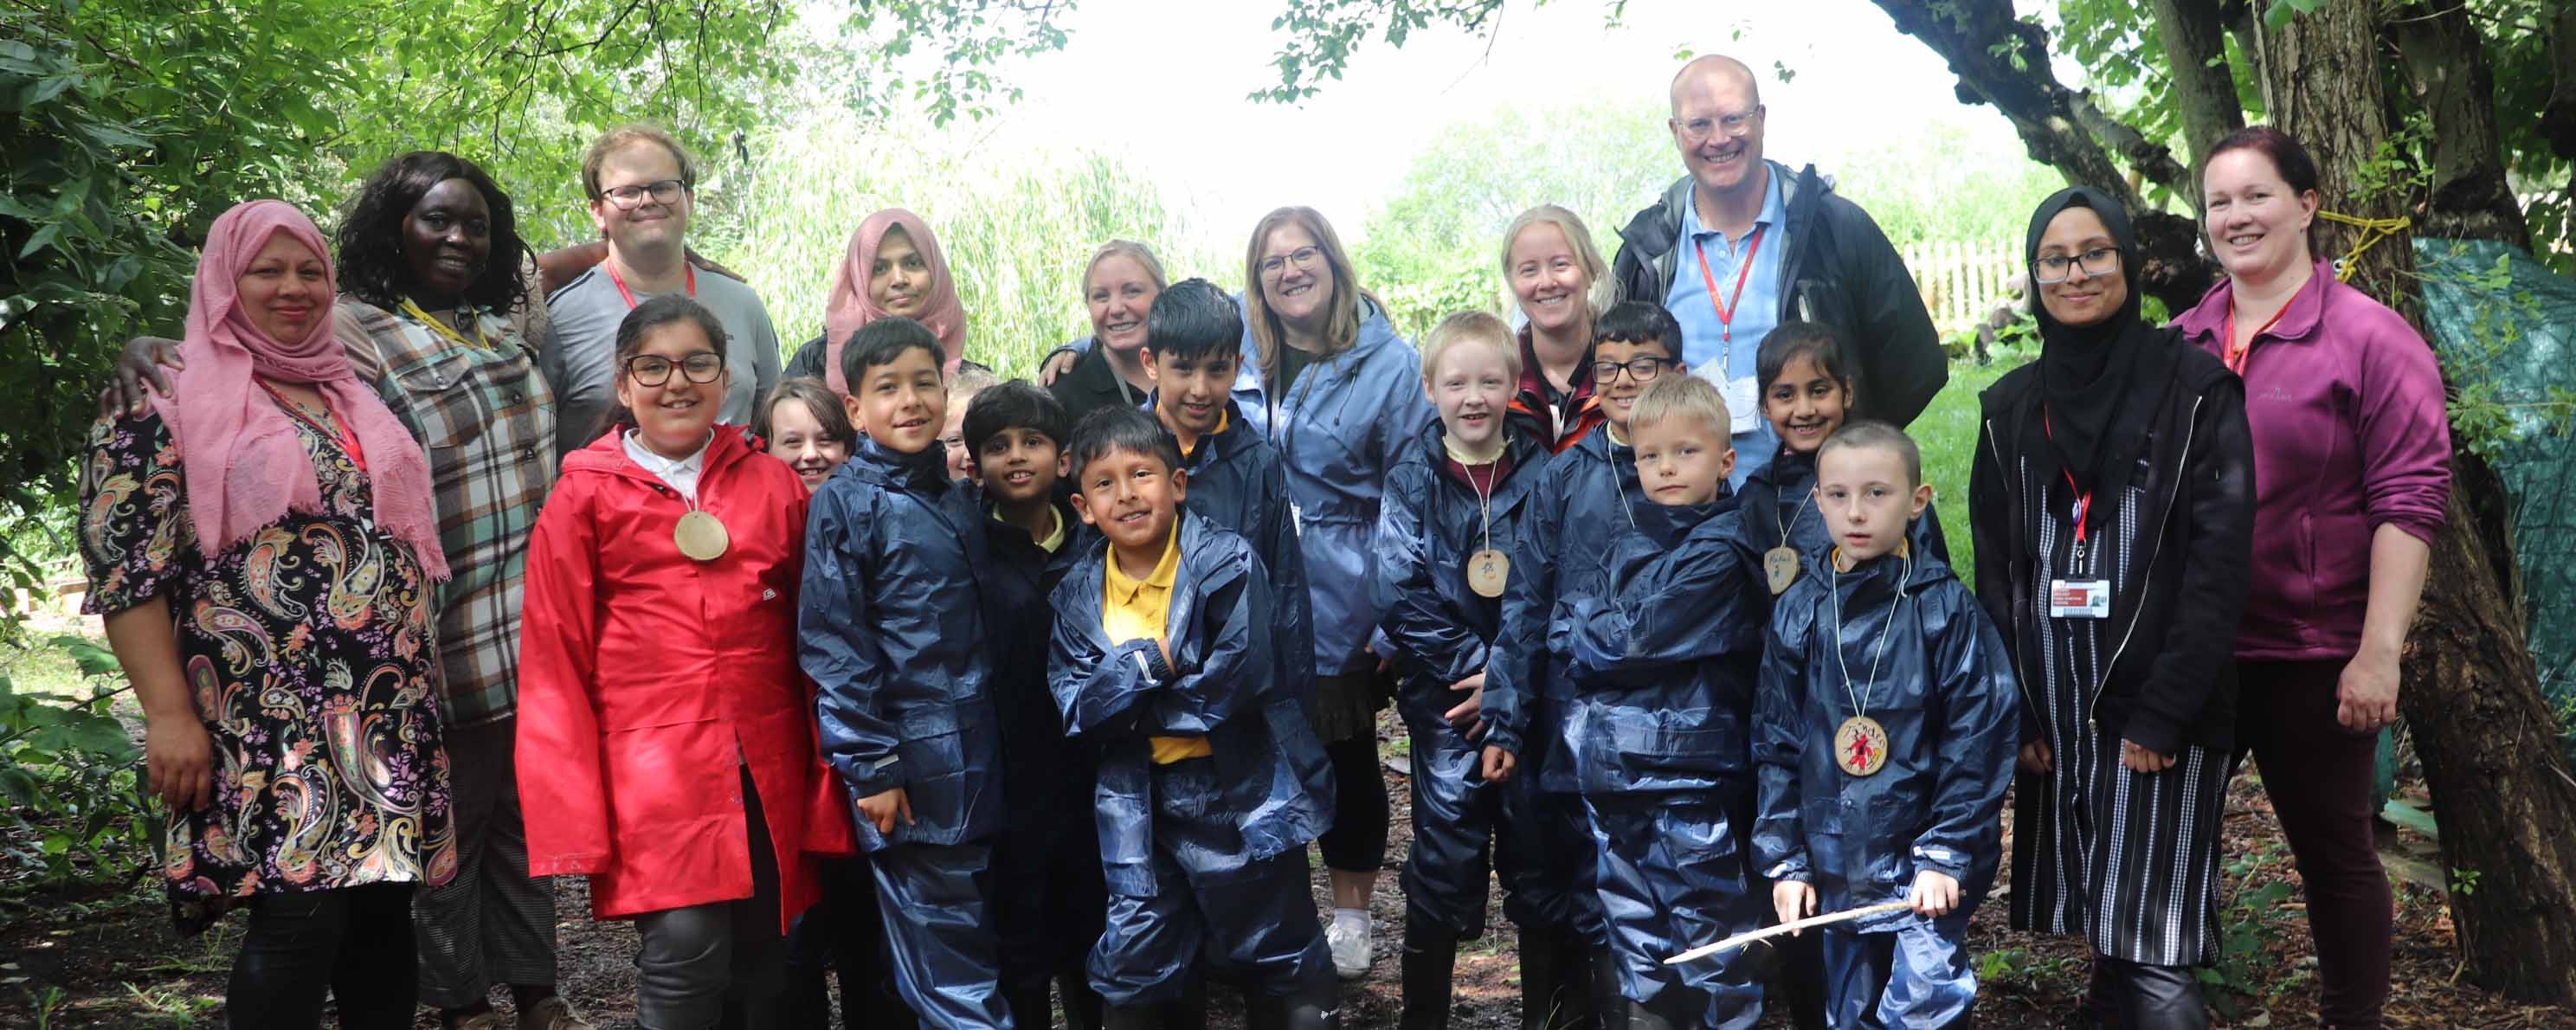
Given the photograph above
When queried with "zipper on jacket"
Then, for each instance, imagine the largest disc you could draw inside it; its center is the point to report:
(2190, 430)
(2021, 670)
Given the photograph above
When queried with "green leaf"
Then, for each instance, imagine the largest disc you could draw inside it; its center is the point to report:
(92, 659)
(42, 238)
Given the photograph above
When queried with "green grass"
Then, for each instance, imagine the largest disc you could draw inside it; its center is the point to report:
(1947, 433)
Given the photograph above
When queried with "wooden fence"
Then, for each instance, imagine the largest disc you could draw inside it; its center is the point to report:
(1961, 280)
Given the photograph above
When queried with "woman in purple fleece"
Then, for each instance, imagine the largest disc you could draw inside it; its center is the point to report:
(2351, 472)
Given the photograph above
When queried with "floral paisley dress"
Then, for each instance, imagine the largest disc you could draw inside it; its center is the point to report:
(309, 652)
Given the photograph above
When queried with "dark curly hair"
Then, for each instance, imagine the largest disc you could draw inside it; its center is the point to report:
(372, 268)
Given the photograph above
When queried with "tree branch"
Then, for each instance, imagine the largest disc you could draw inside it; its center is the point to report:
(2194, 33)
(2445, 63)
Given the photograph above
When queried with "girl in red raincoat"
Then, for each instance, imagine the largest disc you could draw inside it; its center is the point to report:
(666, 737)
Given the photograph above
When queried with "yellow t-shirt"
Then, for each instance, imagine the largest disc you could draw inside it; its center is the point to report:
(1054, 539)
(1135, 609)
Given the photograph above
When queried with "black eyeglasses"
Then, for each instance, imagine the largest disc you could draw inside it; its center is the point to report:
(653, 370)
(630, 197)
(1643, 370)
(2052, 269)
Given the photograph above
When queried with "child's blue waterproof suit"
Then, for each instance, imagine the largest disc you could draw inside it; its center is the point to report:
(1944, 692)
(1663, 651)
(891, 628)
(1236, 482)
(1779, 504)
(1584, 499)
(1204, 857)
(1443, 632)
(1046, 888)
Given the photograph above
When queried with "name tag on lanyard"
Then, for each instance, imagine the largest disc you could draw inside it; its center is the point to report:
(2079, 598)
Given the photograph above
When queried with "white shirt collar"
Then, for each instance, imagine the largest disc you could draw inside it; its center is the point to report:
(680, 473)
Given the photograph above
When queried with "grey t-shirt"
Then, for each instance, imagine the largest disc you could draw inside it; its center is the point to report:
(580, 350)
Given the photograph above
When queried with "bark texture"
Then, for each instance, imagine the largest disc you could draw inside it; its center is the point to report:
(2194, 34)
(2471, 695)
(2445, 61)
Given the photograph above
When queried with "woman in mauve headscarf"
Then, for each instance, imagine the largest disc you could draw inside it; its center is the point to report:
(894, 267)
(262, 545)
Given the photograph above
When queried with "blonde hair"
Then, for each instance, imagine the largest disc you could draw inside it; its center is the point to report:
(1341, 327)
(1603, 290)
(1676, 394)
(1131, 250)
(971, 379)
(618, 138)
(1470, 327)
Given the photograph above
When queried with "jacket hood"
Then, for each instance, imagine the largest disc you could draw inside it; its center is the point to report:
(1525, 450)
(925, 472)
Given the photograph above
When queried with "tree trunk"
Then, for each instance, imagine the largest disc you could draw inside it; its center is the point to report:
(2558, 116)
(2004, 61)
(2195, 42)
(2471, 694)
(2446, 68)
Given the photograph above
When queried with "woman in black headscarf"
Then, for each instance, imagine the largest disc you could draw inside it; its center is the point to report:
(2112, 503)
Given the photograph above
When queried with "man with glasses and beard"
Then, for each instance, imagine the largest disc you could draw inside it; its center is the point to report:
(641, 186)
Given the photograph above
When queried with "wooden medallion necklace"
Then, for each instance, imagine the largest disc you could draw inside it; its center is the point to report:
(1780, 564)
(1860, 744)
(1488, 569)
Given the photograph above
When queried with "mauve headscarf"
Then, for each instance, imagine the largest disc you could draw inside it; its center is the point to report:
(243, 466)
(847, 307)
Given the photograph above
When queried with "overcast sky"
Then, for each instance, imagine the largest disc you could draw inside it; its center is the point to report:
(1161, 83)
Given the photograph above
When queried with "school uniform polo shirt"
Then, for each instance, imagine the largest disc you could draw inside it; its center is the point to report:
(1136, 609)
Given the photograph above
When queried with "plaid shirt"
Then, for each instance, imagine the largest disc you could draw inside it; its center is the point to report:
(487, 423)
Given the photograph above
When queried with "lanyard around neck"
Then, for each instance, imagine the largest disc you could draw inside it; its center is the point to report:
(412, 308)
(622, 291)
(2237, 352)
(1726, 311)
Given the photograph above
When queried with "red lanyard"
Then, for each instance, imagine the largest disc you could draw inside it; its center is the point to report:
(1726, 311)
(622, 291)
(2083, 497)
(338, 430)
(2236, 352)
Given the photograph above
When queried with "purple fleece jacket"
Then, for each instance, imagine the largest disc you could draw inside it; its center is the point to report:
(2345, 403)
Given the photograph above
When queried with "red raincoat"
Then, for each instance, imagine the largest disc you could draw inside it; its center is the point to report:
(644, 674)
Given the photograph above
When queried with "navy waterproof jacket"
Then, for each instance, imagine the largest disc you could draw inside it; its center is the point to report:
(1340, 428)
(1273, 788)
(1049, 776)
(1780, 497)
(1943, 691)
(1662, 650)
(890, 625)
(1575, 512)
(1236, 481)
(1443, 631)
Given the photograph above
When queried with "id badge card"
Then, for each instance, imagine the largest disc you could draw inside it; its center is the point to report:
(2079, 598)
(1743, 405)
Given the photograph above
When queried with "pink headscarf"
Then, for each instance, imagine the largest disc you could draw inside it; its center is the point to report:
(847, 307)
(244, 467)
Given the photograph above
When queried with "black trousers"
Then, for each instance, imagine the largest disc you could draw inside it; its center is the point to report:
(350, 943)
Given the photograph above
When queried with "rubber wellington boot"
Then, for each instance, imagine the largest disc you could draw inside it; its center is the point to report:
(1430, 959)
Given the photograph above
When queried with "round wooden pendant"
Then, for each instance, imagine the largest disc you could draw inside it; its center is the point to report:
(701, 536)
(1860, 746)
(1487, 571)
(1780, 566)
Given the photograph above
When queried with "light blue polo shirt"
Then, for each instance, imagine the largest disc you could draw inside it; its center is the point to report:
(1704, 338)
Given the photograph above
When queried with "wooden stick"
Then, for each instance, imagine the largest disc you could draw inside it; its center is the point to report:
(1741, 939)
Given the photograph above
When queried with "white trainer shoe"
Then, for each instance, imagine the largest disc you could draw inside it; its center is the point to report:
(1352, 950)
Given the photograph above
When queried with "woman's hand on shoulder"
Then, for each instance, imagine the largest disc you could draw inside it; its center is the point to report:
(1056, 366)
(139, 375)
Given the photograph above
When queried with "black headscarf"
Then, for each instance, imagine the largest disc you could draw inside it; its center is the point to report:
(2100, 383)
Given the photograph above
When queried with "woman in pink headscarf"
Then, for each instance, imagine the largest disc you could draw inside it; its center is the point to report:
(263, 547)
(894, 267)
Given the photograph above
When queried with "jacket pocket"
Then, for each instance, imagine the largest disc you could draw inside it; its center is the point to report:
(428, 384)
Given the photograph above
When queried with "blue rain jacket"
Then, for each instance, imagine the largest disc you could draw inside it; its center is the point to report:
(1237, 482)
(890, 625)
(1271, 790)
(1340, 428)
(1781, 496)
(1575, 512)
(1442, 630)
(1946, 696)
(1663, 650)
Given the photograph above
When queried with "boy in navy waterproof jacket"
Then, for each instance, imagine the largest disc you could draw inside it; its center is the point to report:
(1211, 781)
(891, 628)
(1884, 740)
(1585, 498)
(1444, 541)
(1663, 652)
(1046, 890)
(1235, 476)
